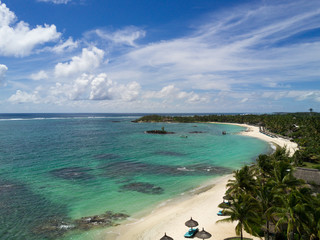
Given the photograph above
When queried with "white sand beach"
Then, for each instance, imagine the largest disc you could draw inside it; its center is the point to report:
(253, 131)
(202, 206)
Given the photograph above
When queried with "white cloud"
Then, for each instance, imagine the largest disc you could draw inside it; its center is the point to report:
(3, 70)
(41, 75)
(88, 61)
(24, 97)
(237, 48)
(127, 92)
(100, 88)
(126, 36)
(94, 87)
(65, 46)
(18, 39)
(56, 1)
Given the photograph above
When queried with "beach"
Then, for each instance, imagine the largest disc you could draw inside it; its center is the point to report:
(201, 205)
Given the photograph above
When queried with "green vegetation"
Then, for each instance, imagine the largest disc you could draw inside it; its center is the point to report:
(302, 128)
(268, 199)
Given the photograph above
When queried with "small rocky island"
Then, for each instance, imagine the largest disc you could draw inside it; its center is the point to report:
(162, 131)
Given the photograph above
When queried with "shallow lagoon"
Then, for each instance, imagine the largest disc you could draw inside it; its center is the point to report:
(65, 168)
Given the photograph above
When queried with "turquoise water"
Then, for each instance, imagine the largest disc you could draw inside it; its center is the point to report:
(55, 169)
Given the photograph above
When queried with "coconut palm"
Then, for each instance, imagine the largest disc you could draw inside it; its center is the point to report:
(313, 220)
(245, 210)
(291, 212)
(243, 181)
(265, 197)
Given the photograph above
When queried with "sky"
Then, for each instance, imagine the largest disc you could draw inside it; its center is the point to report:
(159, 56)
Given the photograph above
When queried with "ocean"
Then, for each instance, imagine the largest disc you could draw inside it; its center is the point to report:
(58, 171)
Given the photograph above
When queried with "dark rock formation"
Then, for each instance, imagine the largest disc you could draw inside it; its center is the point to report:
(107, 219)
(53, 228)
(158, 132)
(197, 132)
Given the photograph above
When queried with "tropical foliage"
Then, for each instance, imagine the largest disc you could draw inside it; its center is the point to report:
(267, 194)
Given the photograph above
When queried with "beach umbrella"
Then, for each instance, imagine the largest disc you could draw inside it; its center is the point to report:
(227, 197)
(165, 237)
(203, 234)
(191, 223)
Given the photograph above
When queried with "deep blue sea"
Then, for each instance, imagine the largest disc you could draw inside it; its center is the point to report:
(58, 168)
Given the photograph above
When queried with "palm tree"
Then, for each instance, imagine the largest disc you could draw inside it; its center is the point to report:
(243, 181)
(265, 197)
(245, 210)
(263, 166)
(292, 212)
(311, 110)
(313, 220)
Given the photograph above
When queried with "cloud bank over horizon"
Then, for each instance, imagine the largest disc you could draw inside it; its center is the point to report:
(246, 58)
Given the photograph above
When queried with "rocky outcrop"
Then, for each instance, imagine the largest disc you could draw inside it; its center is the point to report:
(107, 219)
(56, 227)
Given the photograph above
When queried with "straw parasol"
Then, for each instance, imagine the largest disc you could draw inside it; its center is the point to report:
(227, 197)
(191, 223)
(165, 237)
(203, 234)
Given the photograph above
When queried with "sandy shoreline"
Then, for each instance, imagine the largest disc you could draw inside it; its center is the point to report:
(201, 206)
(253, 131)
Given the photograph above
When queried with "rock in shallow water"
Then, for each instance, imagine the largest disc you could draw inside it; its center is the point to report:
(55, 227)
(107, 219)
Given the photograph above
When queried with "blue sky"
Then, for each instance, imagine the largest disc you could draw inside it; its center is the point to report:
(159, 56)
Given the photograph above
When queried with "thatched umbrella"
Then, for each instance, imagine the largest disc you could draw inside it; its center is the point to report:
(227, 197)
(191, 223)
(165, 237)
(203, 234)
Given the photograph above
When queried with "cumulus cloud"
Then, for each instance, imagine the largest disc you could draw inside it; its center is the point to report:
(89, 60)
(87, 87)
(41, 75)
(56, 1)
(18, 39)
(3, 70)
(24, 97)
(126, 36)
(96, 87)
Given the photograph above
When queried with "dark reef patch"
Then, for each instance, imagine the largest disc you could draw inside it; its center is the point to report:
(106, 156)
(129, 169)
(73, 173)
(142, 187)
(170, 153)
(197, 132)
(22, 211)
